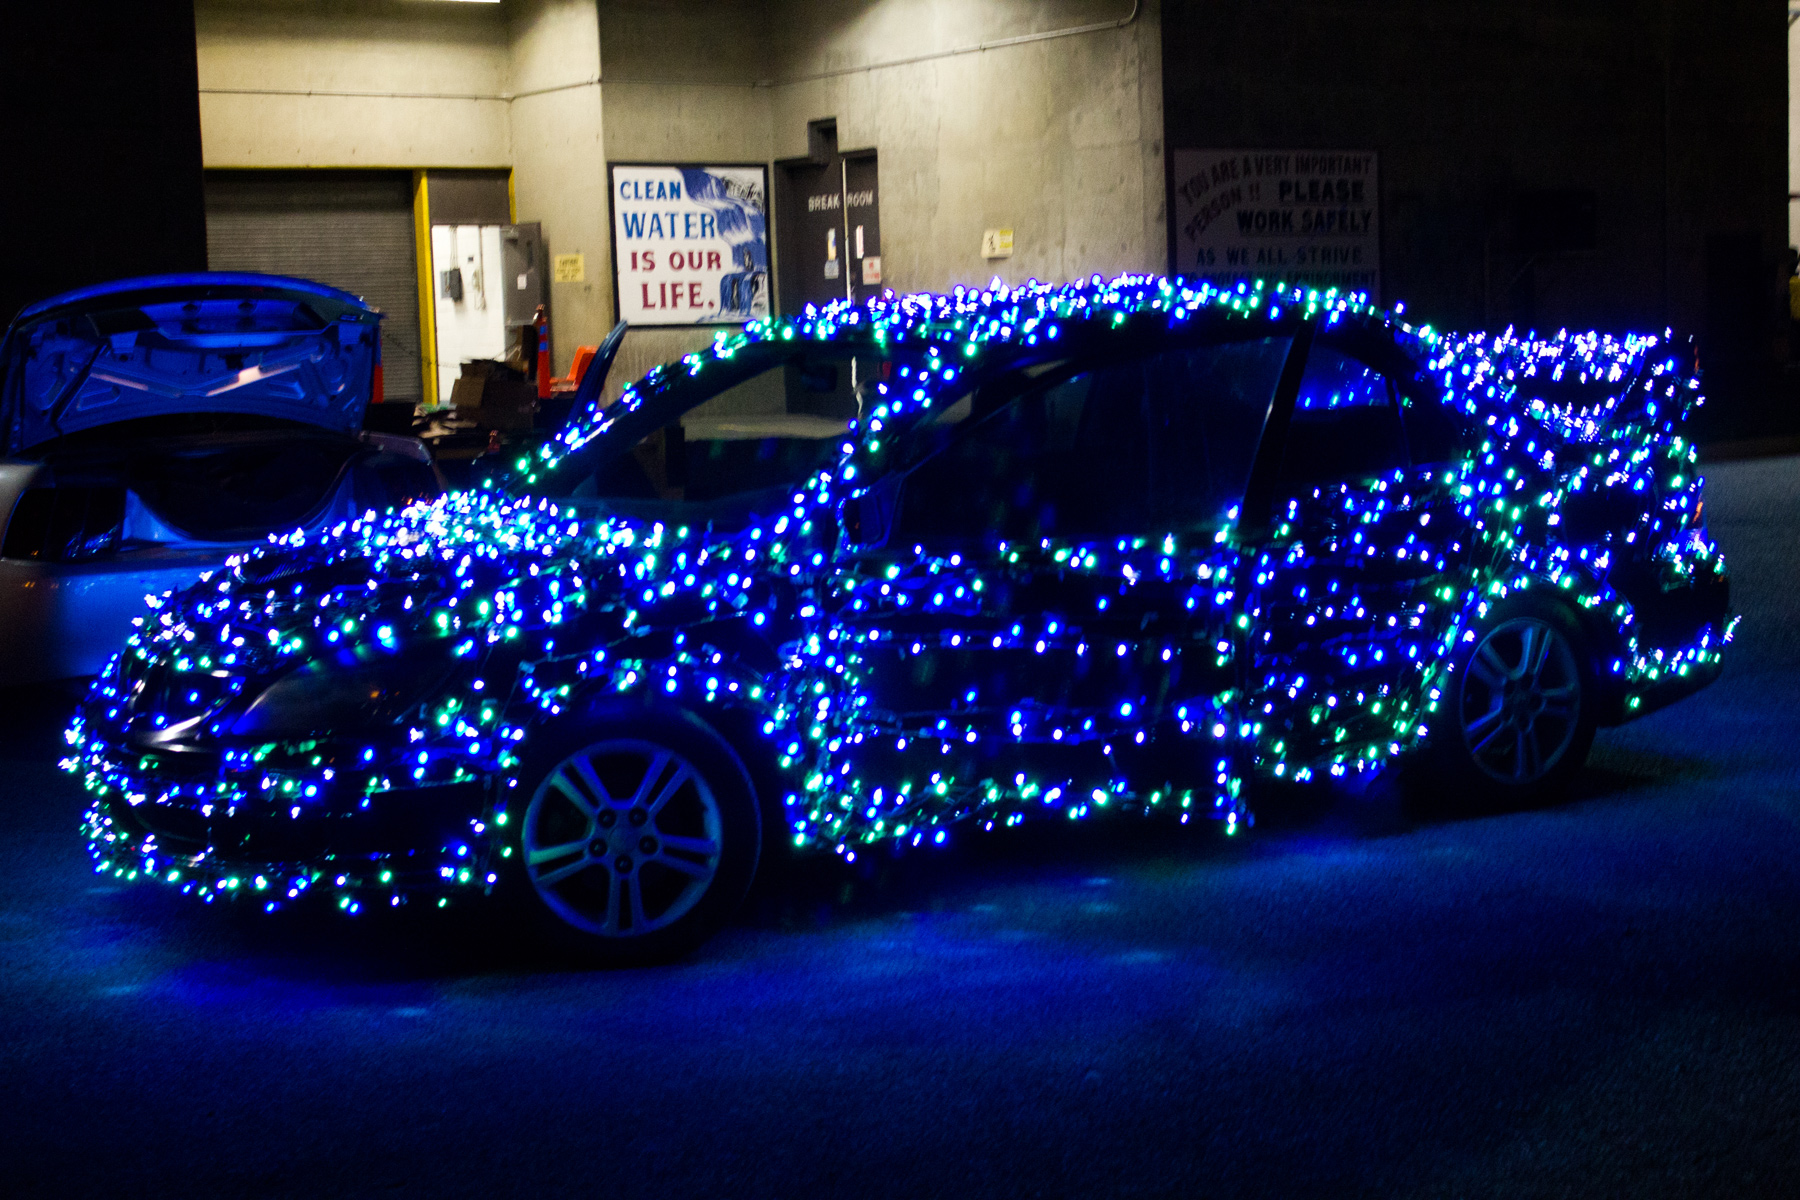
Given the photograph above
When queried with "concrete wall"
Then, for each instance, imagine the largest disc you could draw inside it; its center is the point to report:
(1670, 111)
(1657, 106)
(298, 83)
(1059, 140)
(689, 79)
(259, 58)
(686, 81)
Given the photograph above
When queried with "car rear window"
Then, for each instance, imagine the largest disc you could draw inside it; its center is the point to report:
(1210, 403)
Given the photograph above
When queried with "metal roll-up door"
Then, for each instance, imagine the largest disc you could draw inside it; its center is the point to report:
(350, 229)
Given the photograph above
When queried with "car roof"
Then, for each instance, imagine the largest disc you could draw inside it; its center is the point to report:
(1002, 325)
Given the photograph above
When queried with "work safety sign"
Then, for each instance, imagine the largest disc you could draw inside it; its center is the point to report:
(1303, 216)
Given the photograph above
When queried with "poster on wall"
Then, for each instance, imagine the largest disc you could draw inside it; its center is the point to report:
(690, 243)
(1303, 216)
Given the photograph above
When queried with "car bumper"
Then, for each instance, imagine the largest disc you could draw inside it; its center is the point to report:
(1681, 633)
(1675, 685)
(405, 842)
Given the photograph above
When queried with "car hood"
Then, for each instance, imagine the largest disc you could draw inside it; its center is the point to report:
(210, 342)
(473, 567)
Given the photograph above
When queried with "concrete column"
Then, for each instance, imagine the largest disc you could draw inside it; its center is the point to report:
(559, 156)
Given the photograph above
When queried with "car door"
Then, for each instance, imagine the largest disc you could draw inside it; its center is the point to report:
(1358, 545)
(1021, 627)
(1211, 401)
(1052, 609)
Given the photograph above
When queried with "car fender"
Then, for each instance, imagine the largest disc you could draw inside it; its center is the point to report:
(723, 672)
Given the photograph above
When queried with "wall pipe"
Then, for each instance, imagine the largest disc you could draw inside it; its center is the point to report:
(977, 48)
(595, 81)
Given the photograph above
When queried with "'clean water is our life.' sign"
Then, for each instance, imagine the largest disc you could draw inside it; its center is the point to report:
(690, 243)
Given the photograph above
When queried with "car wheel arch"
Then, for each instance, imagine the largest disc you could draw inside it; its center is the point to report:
(1443, 775)
(621, 728)
(738, 725)
(1600, 638)
(1542, 593)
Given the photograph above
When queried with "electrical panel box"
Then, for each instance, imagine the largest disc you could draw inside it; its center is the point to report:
(525, 268)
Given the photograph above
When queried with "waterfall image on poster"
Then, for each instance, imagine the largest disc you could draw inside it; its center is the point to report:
(690, 244)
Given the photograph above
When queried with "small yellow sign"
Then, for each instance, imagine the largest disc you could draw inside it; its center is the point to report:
(996, 243)
(570, 268)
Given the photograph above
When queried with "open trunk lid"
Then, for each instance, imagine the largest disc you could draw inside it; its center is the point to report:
(208, 342)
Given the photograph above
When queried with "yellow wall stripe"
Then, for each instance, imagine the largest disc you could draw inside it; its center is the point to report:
(427, 289)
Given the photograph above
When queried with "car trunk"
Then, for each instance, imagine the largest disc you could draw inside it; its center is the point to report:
(151, 427)
(210, 408)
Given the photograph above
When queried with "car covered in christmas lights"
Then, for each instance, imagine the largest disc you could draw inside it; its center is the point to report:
(154, 427)
(869, 574)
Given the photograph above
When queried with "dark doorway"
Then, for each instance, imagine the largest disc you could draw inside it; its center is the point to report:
(828, 223)
(1734, 359)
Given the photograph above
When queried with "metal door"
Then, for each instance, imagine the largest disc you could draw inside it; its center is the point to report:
(828, 222)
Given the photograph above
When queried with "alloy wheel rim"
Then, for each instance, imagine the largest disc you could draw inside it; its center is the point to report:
(622, 838)
(1521, 701)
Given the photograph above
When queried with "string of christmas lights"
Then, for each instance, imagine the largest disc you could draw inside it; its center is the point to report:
(1171, 670)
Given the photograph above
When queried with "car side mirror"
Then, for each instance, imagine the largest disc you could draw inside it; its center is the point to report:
(867, 518)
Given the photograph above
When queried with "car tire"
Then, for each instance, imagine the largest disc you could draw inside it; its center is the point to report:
(1518, 713)
(635, 835)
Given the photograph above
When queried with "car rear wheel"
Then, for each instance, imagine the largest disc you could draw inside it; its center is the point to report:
(1518, 715)
(639, 836)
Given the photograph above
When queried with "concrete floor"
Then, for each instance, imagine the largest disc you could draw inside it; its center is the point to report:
(1597, 998)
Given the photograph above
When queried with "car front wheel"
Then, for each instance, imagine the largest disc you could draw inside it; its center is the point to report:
(638, 838)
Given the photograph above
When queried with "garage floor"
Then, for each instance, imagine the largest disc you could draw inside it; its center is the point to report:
(1599, 998)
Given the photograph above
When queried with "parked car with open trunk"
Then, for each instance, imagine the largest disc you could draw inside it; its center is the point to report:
(150, 428)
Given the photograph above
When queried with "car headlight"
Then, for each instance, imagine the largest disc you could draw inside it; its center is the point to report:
(339, 692)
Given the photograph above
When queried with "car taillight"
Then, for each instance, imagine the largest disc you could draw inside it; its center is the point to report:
(376, 393)
(1696, 531)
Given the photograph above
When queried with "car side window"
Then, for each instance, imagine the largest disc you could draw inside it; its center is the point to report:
(1069, 460)
(1208, 405)
(1345, 424)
